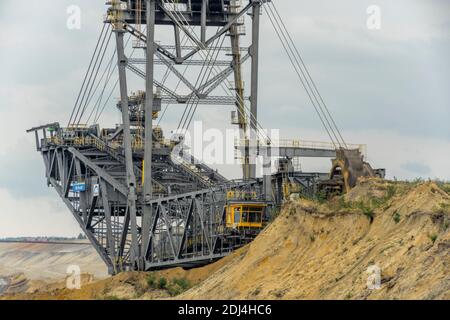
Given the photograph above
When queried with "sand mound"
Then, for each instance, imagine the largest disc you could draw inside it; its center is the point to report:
(127, 285)
(369, 188)
(49, 261)
(317, 251)
(310, 253)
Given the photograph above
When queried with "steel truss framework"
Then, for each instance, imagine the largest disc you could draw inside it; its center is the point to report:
(176, 217)
(186, 229)
(183, 15)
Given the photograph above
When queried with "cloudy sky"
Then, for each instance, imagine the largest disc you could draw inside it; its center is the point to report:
(386, 88)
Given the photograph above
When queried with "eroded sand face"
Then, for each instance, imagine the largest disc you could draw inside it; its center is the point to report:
(311, 251)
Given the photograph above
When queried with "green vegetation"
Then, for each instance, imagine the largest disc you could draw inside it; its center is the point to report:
(433, 237)
(154, 283)
(444, 185)
(151, 280)
(275, 212)
(367, 210)
(396, 217)
(112, 297)
(342, 204)
(178, 286)
(182, 282)
(443, 207)
(391, 191)
(292, 211)
(174, 287)
(417, 181)
(321, 197)
(369, 206)
(162, 283)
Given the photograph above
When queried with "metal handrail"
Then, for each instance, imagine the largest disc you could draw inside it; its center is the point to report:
(297, 143)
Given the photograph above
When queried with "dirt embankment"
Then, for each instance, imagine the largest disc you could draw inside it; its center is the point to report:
(316, 251)
(127, 285)
(49, 261)
(30, 267)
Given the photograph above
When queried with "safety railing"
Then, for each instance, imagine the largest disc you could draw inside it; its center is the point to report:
(94, 142)
(191, 169)
(291, 143)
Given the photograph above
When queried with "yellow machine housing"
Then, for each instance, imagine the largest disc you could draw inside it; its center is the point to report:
(247, 215)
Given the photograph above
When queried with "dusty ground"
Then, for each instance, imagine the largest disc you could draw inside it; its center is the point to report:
(42, 261)
(317, 251)
(128, 285)
(30, 267)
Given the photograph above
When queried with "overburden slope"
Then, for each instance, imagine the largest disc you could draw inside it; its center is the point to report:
(315, 250)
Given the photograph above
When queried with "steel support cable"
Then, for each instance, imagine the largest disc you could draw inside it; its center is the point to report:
(100, 111)
(186, 127)
(86, 75)
(203, 71)
(106, 72)
(308, 89)
(233, 96)
(168, 104)
(106, 101)
(100, 97)
(307, 72)
(110, 73)
(246, 109)
(95, 79)
(166, 76)
(115, 85)
(307, 76)
(259, 131)
(103, 92)
(90, 77)
(298, 72)
(184, 41)
(95, 107)
(197, 100)
(205, 64)
(210, 62)
(297, 67)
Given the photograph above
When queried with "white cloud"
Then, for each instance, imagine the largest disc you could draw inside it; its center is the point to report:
(36, 216)
(380, 85)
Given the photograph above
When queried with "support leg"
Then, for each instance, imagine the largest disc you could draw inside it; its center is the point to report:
(254, 52)
(147, 209)
(131, 178)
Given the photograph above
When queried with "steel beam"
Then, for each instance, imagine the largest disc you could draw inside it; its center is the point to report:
(102, 253)
(99, 171)
(111, 245)
(222, 31)
(254, 53)
(148, 188)
(131, 179)
(191, 62)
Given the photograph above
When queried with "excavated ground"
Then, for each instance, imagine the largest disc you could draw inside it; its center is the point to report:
(323, 251)
(315, 250)
(49, 261)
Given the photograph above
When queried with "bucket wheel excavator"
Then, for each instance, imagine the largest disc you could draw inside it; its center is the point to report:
(346, 169)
